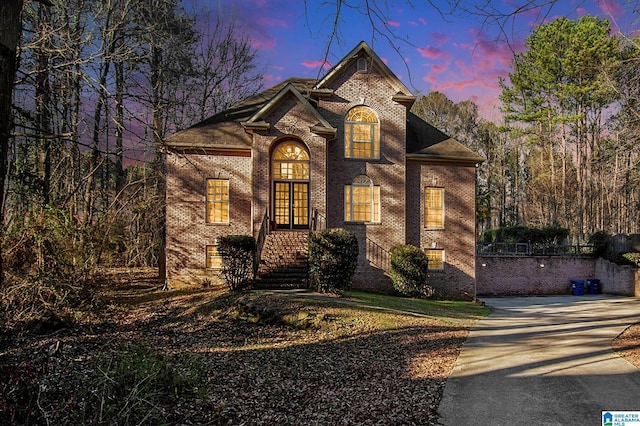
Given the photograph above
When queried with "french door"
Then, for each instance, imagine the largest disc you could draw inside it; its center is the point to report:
(291, 204)
(290, 191)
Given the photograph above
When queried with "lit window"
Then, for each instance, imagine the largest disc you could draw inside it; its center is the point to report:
(214, 260)
(362, 201)
(290, 162)
(361, 134)
(434, 207)
(436, 258)
(217, 201)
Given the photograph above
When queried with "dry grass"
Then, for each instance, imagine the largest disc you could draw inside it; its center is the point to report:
(202, 356)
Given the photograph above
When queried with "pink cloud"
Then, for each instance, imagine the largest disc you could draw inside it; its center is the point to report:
(271, 80)
(432, 52)
(316, 64)
(611, 8)
(270, 22)
(420, 21)
(393, 23)
(385, 61)
(262, 42)
(581, 11)
(439, 38)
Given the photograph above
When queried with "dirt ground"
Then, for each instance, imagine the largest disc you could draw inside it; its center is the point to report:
(201, 356)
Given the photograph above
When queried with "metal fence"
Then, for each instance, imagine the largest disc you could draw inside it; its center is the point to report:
(528, 249)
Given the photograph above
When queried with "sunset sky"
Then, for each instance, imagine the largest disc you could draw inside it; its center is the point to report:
(451, 53)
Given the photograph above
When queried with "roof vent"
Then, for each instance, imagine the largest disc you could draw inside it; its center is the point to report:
(362, 64)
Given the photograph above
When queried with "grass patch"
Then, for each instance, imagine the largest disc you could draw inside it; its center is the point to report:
(444, 309)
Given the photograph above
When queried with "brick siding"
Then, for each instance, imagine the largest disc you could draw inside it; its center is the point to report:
(401, 182)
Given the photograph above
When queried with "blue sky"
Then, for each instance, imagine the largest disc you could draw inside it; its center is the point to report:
(458, 54)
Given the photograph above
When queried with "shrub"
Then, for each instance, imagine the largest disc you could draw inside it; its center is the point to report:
(523, 234)
(333, 258)
(49, 265)
(600, 241)
(409, 270)
(632, 257)
(238, 256)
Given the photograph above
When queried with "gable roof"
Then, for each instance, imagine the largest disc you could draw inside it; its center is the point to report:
(256, 120)
(425, 142)
(403, 93)
(228, 129)
(225, 130)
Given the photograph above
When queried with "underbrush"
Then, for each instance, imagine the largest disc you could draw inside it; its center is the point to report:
(136, 385)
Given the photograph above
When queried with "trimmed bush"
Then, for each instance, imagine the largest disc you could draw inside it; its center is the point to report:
(333, 258)
(409, 268)
(238, 255)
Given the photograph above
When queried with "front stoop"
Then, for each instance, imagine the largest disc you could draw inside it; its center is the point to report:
(284, 261)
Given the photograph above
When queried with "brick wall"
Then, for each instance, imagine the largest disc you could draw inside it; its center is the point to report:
(187, 232)
(457, 238)
(618, 279)
(372, 90)
(530, 275)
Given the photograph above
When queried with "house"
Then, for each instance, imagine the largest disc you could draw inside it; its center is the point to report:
(343, 151)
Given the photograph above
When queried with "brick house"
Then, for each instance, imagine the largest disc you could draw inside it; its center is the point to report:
(340, 152)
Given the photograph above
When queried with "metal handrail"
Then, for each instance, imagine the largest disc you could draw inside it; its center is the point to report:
(318, 221)
(262, 235)
(378, 255)
(532, 249)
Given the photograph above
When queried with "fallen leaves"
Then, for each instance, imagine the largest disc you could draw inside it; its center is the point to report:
(260, 359)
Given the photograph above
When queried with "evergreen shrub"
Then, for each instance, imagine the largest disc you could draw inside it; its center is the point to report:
(333, 259)
(409, 269)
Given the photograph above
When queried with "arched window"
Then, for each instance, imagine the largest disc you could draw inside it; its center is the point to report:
(362, 201)
(361, 133)
(290, 162)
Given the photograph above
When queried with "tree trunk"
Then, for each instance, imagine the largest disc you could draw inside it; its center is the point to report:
(9, 34)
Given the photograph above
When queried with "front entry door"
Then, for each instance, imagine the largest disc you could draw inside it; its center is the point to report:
(290, 177)
(291, 204)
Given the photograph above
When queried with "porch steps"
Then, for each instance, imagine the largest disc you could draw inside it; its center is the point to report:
(284, 260)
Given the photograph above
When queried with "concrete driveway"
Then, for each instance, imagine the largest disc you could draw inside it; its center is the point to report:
(544, 361)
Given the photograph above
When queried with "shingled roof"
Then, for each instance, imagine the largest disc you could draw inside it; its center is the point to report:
(225, 130)
(428, 143)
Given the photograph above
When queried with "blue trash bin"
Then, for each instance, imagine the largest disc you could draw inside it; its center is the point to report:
(577, 287)
(593, 285)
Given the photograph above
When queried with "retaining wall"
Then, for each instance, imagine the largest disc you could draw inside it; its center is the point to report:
(530, 275)
(547, 275)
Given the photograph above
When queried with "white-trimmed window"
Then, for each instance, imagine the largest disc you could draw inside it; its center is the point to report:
(214, 260)
(434, 208)
(436, 259)
(362, 201)
(217, 201)
(361, 133)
